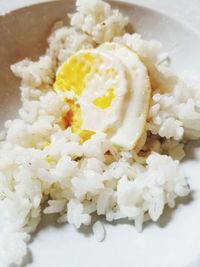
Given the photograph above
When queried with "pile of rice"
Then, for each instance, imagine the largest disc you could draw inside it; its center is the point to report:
(45, 169)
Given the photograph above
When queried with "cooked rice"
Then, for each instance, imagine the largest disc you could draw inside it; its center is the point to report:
(99, 231)
(42, 165)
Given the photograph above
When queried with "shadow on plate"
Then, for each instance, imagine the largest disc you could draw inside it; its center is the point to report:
(169, 213)
(191, 150)
(47, 221)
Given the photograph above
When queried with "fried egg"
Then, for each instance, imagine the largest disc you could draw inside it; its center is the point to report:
(109, 92)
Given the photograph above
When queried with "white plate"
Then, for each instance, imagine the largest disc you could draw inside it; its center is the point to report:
(174, 240)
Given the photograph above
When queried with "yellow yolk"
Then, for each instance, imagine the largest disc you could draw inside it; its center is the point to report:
(45, 144)
(72, 75)
(73, 119)
(80, 72)
(105, 100)
(50, 159)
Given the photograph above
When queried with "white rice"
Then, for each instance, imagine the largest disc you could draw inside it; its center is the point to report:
(99, 231)
(40, 163)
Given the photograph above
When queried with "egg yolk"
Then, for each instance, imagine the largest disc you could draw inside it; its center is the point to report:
(73, 119)
(74, 76)
(105, 100)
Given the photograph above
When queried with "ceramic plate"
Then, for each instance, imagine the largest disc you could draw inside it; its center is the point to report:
(174, 240)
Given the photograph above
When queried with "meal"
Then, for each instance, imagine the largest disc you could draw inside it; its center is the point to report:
(101, 131)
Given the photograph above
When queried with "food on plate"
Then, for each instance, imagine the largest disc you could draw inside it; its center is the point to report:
(109, 92)
(101, 130)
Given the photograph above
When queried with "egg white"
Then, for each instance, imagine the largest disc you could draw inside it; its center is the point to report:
(137, 100)
(94, 118)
